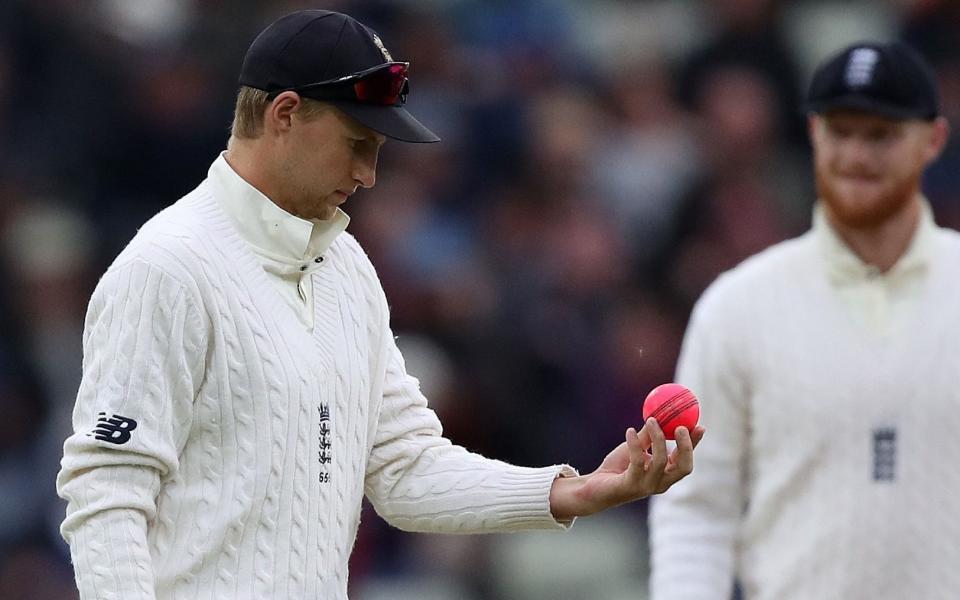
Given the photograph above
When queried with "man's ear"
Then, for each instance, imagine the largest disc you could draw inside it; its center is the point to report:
(938, 138)
(812, 119)
(279, 114)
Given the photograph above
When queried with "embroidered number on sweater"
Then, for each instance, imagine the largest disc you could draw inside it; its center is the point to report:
(325, 443)
(115, 429)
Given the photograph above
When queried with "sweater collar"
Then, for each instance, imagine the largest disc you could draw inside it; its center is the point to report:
(843, 265)
(274, 233)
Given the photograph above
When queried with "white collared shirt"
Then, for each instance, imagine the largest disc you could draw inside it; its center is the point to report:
(878, 300)
(290, 248)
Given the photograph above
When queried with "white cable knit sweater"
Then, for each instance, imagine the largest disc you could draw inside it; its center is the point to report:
(831, 397)
(221, 450)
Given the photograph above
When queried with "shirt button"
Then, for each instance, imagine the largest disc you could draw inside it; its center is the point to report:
(318, 259)
(303, 267)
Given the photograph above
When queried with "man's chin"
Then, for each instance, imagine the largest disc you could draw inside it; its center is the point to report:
(865, 205)
(863, 214)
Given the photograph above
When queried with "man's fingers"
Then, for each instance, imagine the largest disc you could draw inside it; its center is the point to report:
(697, 434)
(652, 468)
(644, 435)
(682, 458)
(658, 444)
(638, 454)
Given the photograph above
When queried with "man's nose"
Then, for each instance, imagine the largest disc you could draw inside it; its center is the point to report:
(857, 151)
(365, 172)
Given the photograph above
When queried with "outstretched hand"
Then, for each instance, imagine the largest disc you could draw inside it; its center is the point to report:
(637, 468)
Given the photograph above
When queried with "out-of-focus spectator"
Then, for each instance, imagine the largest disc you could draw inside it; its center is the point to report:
(49, 252)
(747, 34)
(933, 27)
(750, 192)
(647, 156)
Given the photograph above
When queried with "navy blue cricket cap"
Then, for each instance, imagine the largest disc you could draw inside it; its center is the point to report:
(891, 80)
(313, 52)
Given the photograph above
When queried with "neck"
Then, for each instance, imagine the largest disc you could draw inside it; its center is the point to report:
(884, 245)
(246, 158)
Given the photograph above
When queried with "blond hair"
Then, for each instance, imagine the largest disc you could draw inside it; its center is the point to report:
(249, 109)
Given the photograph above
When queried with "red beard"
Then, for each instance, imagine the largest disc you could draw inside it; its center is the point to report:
(871, 215)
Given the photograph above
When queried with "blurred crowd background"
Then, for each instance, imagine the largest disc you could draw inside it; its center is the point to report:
(602, 161)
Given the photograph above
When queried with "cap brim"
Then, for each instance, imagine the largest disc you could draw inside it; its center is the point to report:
(867, 105)
(392, 121)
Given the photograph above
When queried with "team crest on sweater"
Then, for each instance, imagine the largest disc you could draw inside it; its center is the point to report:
(884, 454)
(325, 443)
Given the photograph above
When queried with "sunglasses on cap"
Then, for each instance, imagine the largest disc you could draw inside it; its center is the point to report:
(385, 84)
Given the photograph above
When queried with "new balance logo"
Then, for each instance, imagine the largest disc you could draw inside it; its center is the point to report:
(115, 429)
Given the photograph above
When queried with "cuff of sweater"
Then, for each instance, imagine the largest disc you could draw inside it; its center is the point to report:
(530, 489)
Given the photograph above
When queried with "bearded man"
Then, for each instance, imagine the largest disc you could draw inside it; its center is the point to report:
(828, 367)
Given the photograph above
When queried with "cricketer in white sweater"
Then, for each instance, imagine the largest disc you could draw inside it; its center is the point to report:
(241, 393)
(832, 395)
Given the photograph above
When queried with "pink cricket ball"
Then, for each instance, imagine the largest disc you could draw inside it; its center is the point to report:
(672, 405)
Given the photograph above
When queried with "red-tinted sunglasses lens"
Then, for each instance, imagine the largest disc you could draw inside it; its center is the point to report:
(386, 86)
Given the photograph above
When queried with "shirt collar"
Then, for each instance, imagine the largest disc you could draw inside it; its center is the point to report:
(273, 232)
(843, 265)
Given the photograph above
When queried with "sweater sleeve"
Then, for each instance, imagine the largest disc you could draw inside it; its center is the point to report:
(143, 360)
(694, 526)
(419, 481)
